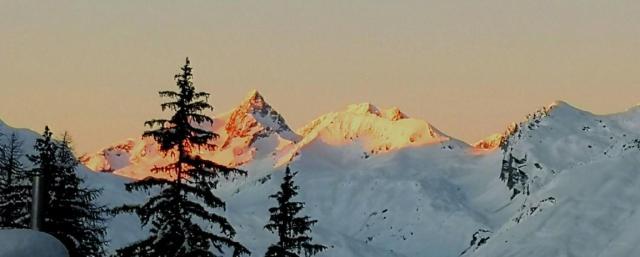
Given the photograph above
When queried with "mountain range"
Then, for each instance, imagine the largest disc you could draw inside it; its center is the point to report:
(256, 131)
(383, 184)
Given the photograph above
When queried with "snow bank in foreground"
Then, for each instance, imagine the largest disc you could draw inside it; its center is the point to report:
(29, 243)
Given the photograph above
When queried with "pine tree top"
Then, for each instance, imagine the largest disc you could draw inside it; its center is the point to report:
(45, 149)
(188, 106)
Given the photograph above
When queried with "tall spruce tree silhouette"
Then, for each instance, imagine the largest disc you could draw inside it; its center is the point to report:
(291, 229)
(189, 194)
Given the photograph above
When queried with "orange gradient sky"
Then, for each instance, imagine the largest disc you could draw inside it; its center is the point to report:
(468, 67)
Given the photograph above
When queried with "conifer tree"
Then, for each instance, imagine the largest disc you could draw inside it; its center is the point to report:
(189, 194)
(71, 214)
(15, 188)
(291, 229)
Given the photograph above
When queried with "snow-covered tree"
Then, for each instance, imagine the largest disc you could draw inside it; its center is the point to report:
(71, 214)
(189, 194)
(291, 229)
(15, 187)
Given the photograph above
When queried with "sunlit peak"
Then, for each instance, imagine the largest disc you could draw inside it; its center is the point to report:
(395, 114)
(254, 99)
(363, 108)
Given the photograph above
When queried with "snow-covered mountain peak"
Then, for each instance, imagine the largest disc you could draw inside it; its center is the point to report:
(363, 109)
(251, 131)
(560, 107)
(255, 116)
(491, 142)
(394, 114)
(559, 103)
(254, 100)
(561, 110)
(253, 104)
(375, 131)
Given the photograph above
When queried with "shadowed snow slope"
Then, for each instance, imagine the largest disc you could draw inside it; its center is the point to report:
(438, 197)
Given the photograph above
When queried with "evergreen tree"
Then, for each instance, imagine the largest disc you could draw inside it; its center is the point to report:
(291, 229)
(189, 194)
(15, 187)
(71, 214)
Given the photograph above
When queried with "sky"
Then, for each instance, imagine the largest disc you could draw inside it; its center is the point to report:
(470, 68)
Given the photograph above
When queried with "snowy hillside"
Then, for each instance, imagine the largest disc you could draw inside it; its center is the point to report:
(382, 184)
(365, 206)
(28, 137)
(585, 192)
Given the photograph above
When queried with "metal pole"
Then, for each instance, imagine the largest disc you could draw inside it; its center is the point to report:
(38, 201)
